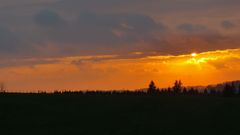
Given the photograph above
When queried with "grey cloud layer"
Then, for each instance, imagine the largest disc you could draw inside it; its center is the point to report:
(82, 27)
(228, 24)
(92, 30)
(160, 5)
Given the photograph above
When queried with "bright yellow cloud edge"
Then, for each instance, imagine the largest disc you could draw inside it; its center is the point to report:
(113, 72)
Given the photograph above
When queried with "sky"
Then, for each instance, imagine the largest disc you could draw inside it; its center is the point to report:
(117, 44)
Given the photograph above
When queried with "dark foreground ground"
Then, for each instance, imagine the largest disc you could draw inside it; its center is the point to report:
(118, 115)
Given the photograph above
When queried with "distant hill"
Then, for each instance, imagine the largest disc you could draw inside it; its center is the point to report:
(218, 87)
(221, 86)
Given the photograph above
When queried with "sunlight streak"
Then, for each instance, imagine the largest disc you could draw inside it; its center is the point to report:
(92, 72)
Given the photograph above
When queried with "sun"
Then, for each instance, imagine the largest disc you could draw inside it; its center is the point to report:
(194, 54)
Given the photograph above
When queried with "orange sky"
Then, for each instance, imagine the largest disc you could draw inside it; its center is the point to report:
(114, 72)
(120, 44)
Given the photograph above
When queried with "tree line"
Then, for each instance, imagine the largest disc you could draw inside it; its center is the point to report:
(176, 89)
(179, 89)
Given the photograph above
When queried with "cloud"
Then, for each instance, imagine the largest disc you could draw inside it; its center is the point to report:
(92, 72)
(92, 30)
(192, 28)
(48, 18)
(228, 25)
(9, 42)
(153, 5)
(191, 37)
(51, 41)
(90, 27)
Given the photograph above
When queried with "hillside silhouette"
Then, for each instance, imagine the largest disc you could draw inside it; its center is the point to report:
(223, 89)
(174, 110)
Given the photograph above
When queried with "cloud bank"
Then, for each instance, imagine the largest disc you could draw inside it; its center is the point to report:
(87, 27)
(77, 42)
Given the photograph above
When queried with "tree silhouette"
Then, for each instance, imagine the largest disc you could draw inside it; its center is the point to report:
(233, 87)
(205, 91)
(177, 88)
(239, 89)
(213, 91)
(2, 87)
(228, 90)
(152, 88)
(184, 90)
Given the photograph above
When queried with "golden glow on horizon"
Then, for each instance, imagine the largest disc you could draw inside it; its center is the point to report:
(194, 54)
(115, 72)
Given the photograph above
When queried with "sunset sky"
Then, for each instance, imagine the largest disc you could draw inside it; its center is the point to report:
(117, 44)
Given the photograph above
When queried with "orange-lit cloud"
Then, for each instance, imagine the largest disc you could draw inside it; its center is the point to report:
(116, 72)
(92, 44)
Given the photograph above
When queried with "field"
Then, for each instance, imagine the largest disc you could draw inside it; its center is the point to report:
(70, 114)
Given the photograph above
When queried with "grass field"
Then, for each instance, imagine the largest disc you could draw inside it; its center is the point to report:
(22, 114)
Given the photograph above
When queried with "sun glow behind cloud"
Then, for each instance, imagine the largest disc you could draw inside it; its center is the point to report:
(118, 72)
(194, 54)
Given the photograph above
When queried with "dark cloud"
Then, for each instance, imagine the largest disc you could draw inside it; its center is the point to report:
(77, 27)
(228, 25)
(14, 45)
(201, 32)
(192, 28)
(94, 29)
(48, 18)
(9, 43)
(191, 37)
(144, 6)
